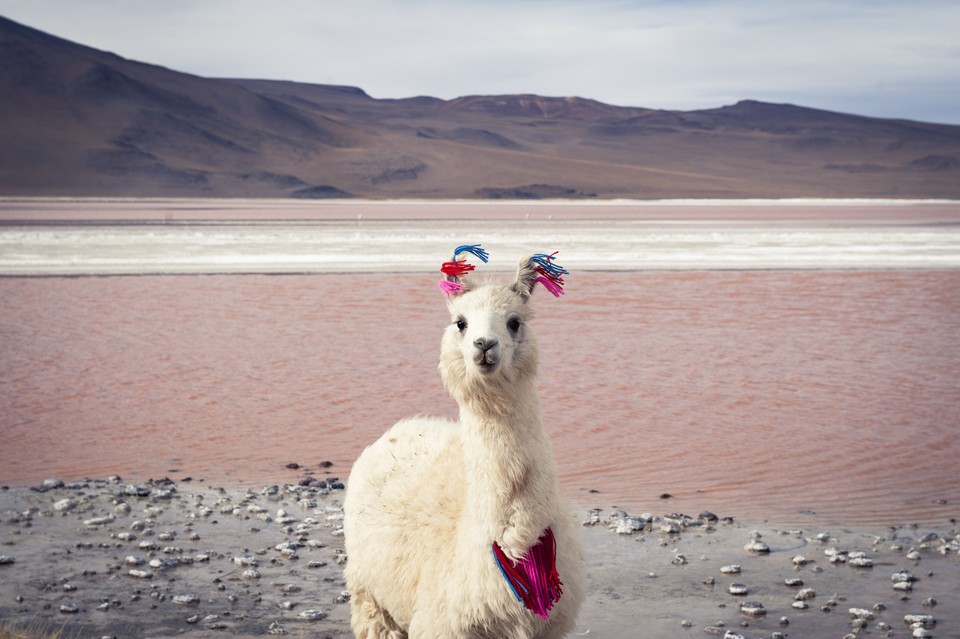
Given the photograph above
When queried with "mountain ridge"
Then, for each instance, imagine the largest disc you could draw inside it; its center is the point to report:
(78, 121)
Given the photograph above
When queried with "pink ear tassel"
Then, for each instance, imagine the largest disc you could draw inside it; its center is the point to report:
(550, 285)
(450, 288)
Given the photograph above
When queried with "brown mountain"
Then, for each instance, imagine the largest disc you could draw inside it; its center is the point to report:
(82, 122)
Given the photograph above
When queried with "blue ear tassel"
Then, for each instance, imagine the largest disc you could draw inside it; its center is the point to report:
(551, 274)
(550, 268)
(473, 249)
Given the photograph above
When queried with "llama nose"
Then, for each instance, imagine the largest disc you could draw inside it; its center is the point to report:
(485, 343)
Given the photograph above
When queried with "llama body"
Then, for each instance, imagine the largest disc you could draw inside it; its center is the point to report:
(426, 502)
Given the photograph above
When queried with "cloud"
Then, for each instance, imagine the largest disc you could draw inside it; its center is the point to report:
(883, 58)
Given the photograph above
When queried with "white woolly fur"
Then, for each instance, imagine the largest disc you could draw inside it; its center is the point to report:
(426, 501)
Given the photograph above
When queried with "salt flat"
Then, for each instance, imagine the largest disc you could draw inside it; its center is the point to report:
(66, 237)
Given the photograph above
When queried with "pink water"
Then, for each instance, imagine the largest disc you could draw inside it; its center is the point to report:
(755, 394)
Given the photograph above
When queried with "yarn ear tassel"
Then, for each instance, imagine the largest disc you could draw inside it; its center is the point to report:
(551, 273)
(451, 288)
(473, 249)
(458, 267)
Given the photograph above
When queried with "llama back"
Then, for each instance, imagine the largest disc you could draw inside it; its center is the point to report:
(391, 515)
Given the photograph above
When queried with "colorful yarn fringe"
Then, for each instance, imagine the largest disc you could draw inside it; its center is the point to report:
(533, 579)
(459, 267)
(551, 274)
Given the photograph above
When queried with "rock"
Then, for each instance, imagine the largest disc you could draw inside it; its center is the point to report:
(737, 589)
(628, 525)
(137, 490)
(50, 484)
(186, 599)
(913, 555)
(861, 562)
(679, 560)
(140, 573)
(6, 559)
(800, 560)
(250, 573)
(670, 528)
(793, 581)
(312, 615)
(593, 517)
(902, 575)
(65, 504)
(799, 605)
(903, 586)
(805, 594)
(861, 613)
(732, 569)
(920, 621)
(753, 609)
(246, 560)
(99, 521)
(756, 546)
(69, 609)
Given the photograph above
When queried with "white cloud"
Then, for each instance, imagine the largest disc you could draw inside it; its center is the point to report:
(881, 57)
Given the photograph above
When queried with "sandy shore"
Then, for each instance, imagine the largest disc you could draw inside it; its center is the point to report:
(114, 558)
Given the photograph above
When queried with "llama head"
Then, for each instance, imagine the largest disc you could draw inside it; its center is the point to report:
(488, 347)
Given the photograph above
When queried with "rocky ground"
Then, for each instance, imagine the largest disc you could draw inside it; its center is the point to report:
(108, 558)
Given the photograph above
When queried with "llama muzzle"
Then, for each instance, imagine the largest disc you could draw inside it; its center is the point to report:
(487, 354)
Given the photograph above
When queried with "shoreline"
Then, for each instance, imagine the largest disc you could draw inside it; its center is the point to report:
(160, 211)
(166, 558)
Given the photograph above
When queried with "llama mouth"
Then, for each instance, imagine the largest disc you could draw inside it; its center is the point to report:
(486, 364)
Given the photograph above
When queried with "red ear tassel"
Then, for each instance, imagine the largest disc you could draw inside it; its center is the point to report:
(457, 268)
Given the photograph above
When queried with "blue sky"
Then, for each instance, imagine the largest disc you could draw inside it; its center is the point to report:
(880, 58)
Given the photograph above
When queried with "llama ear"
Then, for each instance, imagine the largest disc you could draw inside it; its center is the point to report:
(457, 268)
(540, 268)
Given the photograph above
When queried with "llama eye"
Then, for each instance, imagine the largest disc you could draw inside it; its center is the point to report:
(513, 324)
(461, 324)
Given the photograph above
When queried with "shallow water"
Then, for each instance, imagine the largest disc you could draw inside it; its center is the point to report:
(752, 393)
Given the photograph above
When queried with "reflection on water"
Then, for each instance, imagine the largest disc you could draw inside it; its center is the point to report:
(765, 393)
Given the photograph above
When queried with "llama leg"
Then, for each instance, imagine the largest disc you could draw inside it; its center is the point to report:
(369, 620)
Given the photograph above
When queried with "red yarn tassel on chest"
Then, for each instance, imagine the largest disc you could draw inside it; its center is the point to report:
(533, 579)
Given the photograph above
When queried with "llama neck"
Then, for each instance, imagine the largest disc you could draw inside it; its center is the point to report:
(510, 469)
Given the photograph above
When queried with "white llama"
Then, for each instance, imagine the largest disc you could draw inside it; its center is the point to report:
(458, 529)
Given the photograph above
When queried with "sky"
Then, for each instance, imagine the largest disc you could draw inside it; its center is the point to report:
(882, 58)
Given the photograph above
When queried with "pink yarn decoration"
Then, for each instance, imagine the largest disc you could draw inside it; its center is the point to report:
(533, 579)
(450, 288)
(550, 285)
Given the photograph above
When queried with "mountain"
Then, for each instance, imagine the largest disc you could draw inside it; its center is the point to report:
(76, 121)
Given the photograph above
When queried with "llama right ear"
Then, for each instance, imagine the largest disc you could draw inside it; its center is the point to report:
(540, 268)
(457, 268)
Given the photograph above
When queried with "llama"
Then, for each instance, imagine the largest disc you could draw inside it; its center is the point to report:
(459, 529)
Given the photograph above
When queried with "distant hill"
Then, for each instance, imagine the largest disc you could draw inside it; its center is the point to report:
(76, 121)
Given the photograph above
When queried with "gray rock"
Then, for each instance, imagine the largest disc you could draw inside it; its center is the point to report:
(756, 546)
(312, 615)
(64, 505)
(141, 573)
(753, 609)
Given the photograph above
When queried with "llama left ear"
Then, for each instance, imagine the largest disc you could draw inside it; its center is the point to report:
(543, 269)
